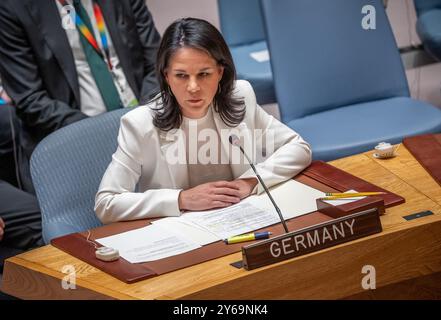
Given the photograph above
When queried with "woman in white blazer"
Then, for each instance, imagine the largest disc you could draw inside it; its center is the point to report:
(174, 153)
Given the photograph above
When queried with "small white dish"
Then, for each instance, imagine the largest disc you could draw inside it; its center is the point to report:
(385, 150)
(377, 156)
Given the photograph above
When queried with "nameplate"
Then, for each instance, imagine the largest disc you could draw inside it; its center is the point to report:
(310, 239)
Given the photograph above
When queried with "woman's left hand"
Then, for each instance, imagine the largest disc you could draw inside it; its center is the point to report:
(245, 186)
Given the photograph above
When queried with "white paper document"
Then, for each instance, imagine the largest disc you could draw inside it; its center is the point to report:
(175, 235)
(292, 197)
(186, 228)
(148, 244)
(234, 220)
(260, 56)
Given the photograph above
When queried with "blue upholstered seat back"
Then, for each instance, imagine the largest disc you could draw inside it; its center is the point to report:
(322, 58)
(242, 28)
(241, 21)
(422, 6)
(429, 25)
(67, 167)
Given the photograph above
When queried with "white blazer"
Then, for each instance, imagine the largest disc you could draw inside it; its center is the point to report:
(140, 161)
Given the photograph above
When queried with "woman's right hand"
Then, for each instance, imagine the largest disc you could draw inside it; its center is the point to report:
(209, 195)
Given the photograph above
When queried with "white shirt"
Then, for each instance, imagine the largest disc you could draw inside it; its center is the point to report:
(203, 166)
(91, 101)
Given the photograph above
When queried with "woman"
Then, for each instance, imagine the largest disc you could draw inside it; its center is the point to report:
(163, 147)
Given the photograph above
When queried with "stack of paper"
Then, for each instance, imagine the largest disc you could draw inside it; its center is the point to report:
(148, 244)
(175, 235)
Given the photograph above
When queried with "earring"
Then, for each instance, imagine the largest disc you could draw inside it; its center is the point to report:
(219, 89)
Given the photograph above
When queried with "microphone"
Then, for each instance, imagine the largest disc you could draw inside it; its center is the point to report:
(235, 141)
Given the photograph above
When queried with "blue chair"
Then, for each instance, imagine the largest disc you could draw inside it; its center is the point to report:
(344, 89)
(67, 167)
(429, 25)
(242, 28)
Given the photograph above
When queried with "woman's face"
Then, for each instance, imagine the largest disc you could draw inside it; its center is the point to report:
(193, 76)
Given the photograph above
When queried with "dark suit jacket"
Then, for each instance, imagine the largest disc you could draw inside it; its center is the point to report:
(37, 64)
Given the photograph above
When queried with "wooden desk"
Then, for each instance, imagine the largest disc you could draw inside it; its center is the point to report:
(406, 257)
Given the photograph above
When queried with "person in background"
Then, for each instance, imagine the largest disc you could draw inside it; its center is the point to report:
(160, 149)
(62, 61)
(20, 218)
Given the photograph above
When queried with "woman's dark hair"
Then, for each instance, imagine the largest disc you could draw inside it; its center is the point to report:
(197, 34)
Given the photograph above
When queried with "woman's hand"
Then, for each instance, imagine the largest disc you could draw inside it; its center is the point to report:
(217, 194)
(2, 229)
(245, 186)
(209, 195)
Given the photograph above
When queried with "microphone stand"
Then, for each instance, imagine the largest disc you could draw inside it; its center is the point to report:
(263, 184)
